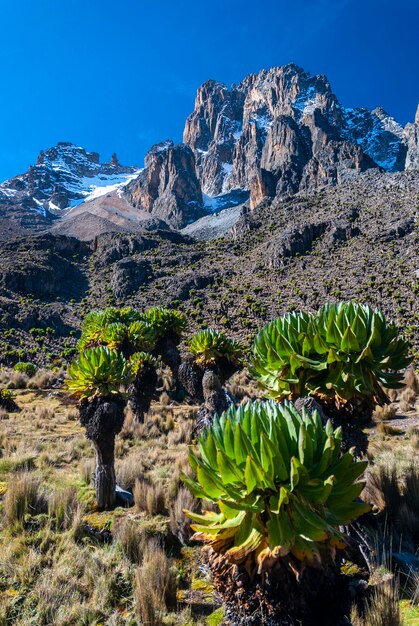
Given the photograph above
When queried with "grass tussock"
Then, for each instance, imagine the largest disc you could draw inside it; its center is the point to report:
(180, 525)
(382, 608)
(63, 507)
(17, 380)
(23, 497)
(384, 413)
(149, 498)
(131, 537)
(155, 586)
(387, 430)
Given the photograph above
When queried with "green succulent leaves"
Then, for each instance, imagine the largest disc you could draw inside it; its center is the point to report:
(165, 321)
(98, 371)
(280, 482)
(115, 346)
(139, 360)
(343, 351)
(119, 329)
(210, 345)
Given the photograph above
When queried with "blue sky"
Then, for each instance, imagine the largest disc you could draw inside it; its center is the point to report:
(120, 76)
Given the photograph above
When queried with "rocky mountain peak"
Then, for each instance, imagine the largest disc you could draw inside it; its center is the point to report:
(283, 124)
(168, 187)
(279, 132)
(62, 177)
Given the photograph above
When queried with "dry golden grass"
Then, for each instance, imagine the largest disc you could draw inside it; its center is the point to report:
(23, 497)
(155, 586)
(66, 573)
(384, 413)
(58, 569)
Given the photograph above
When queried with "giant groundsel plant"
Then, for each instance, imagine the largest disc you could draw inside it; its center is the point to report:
(281, 485)
(344, 351)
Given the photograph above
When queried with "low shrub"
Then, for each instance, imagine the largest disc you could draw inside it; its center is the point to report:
(26, 368)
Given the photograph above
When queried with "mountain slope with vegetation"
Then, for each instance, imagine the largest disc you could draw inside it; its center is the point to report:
(356, 241)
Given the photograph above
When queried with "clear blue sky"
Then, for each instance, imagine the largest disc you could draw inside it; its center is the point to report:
(120, 76)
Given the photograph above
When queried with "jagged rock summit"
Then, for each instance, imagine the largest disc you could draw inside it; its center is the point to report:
(278, 133)
(168, 186)
(63, 177)
(282, 131)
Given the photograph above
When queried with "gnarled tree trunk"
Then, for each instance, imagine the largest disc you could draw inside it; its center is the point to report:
(103, 417)
(105, 480)
(216, 401)
(142, 391)
(285, 595)
(190, 377)
(167, 349)
(205, 386)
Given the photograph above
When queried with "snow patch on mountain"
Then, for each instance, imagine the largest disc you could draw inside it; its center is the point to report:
(96, 186)
(377, 133)
(65, 176)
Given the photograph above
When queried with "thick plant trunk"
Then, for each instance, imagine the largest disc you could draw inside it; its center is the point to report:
(167, 349)
(216, 400)
(103, 417)
(105, 480)
(142, 391)
(277, 597)
(190, 377)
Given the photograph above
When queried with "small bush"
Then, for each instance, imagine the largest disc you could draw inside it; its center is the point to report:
(182, 433)
(63, 507)
(17, 380)
(131, 538)
(129, 470)
(382, 608)
(43, 379)
(386, 430)
(384, 413)
(149, 498)
(26, 368)
(407, 400)
(411, 380)
(180, 525)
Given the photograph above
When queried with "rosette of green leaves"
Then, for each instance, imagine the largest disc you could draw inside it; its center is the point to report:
(124, 335)
(361, 349)
(280, 481)
(97, 320)
(165, 321)
(285, 360)
(343, 351)
(98, 371)
(139, 360)
(209, 345)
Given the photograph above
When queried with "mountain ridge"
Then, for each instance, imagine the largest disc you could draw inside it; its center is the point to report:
(278, 132)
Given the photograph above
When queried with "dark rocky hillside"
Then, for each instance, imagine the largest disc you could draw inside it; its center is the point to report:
(358, 240)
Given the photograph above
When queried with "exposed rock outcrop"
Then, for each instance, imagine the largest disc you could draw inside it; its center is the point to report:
(168, 187)
(412, 143)
(282, 131)
(279, 132)
(128, 275)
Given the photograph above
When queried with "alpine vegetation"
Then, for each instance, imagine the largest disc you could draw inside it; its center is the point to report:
(283, 490)
(344, 355)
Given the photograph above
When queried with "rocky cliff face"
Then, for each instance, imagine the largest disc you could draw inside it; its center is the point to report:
(277, 133)
(281, 131)
(168, 187)
(411, 137)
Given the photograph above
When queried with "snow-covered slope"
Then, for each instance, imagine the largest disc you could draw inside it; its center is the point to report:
(63, 177)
